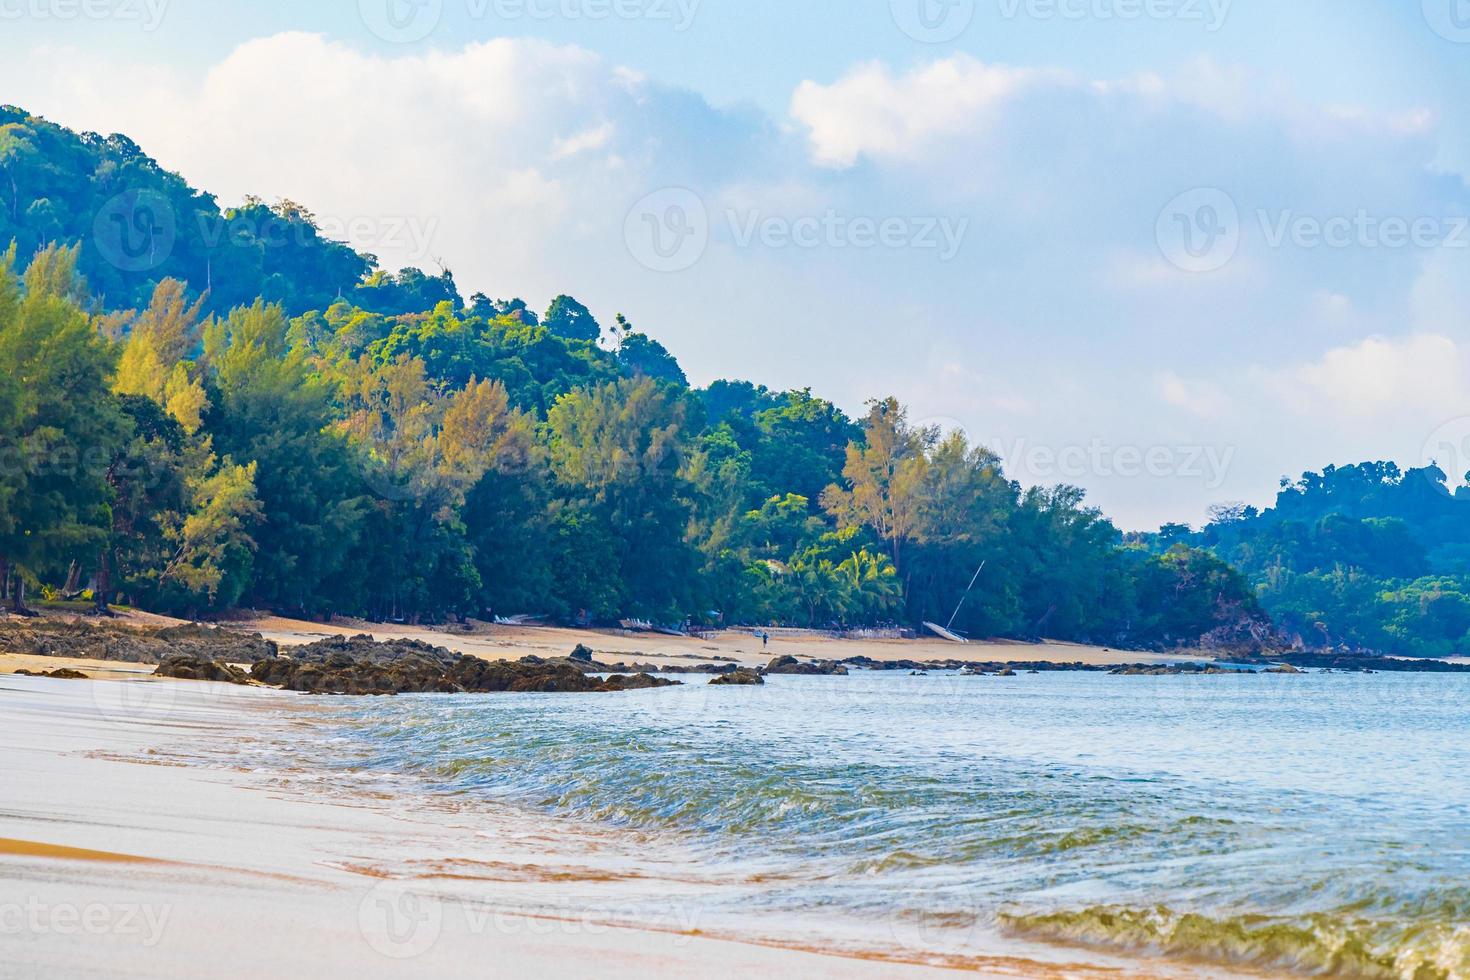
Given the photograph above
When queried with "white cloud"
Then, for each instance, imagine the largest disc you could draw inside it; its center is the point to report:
(870, 111)
(1204, 399)
(1422, 374)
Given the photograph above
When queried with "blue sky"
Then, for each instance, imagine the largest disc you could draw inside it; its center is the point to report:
(1168, 250)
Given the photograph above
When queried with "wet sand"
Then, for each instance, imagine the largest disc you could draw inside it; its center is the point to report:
(134, 842)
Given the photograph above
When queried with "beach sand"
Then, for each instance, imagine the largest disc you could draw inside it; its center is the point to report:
(493, 642)
(135, 841)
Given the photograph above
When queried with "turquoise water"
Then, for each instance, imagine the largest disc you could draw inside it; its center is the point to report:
(1314, 824)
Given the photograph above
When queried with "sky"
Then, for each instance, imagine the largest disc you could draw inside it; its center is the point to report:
(1170, 251)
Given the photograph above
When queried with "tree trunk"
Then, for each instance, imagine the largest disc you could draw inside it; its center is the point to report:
(104, 585)
(4, 581)
(19, 606)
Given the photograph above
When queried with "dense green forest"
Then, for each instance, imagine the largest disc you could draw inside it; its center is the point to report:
(1368, 557)
(203, 409)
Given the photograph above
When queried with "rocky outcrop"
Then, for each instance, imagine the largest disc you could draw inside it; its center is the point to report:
(739, 677)
(430, 670)
(188, 667)
(1163, 670)
(790, 665)
(635, 682)
(64, 674)
(117, 642)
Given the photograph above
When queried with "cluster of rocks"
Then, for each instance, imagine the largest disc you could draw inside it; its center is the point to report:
(1164, 670)
(360, 665)
(742, 677)
(116, 642)
(64, 674)
(1361, 663)
(974, 666)
(192, 667)
(814, 668)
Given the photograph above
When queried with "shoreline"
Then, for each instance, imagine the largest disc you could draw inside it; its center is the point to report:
(494, 642)
(242, 852)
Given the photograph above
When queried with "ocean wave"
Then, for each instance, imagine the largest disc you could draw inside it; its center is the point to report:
(1316, 945)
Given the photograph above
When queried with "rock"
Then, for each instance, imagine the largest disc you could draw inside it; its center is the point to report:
(1283, 669)
(365, 669)
(64, 674)
(790, 665)
(742, 677)
(635, 682)
(582, 653)
(189, 667)
(117, 642)
(1006, 673)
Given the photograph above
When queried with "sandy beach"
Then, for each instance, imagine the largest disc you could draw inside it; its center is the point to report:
(495, 642)
(135, 842)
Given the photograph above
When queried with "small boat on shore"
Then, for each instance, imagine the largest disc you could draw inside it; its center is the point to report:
(945, 634)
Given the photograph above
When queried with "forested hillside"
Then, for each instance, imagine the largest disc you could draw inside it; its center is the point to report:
(194, 419)
(1367, 556)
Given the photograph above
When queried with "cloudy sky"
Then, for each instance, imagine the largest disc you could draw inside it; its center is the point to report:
(1168, 250)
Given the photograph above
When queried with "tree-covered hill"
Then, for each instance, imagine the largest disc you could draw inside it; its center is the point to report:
(193, 420)
(1367, 556)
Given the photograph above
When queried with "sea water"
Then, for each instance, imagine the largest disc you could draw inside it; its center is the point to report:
(1317, 823)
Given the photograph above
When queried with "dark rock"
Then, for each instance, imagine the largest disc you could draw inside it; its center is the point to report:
(64, 674)
(582, 653)
(361, 667)
(118, 642)
(790, 665)
(635, 682)
(188, 667)
(742, 677)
